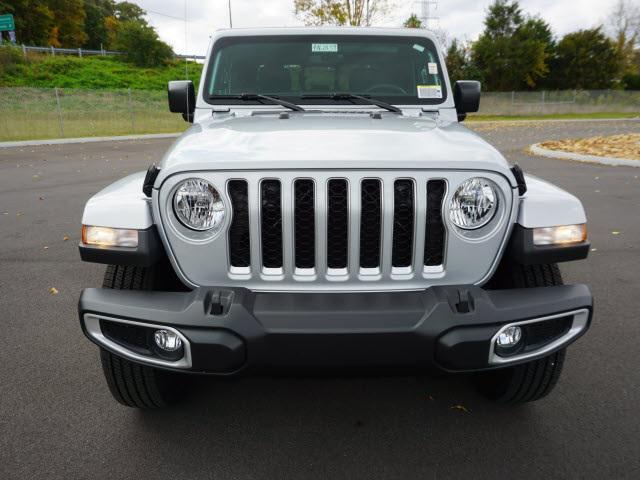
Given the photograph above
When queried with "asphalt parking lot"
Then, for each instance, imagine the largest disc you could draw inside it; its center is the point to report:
(58, 420)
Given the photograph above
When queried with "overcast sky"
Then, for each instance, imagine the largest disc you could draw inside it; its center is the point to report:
(458, 18)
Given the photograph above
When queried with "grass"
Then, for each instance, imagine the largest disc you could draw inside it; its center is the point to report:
(27, 113)
(558, 116)
(47, 71)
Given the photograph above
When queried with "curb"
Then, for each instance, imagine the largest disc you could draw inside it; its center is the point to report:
(536, 149)
(65, 141)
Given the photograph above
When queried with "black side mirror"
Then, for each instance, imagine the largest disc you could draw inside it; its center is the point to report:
(466, 95)
(182, 98)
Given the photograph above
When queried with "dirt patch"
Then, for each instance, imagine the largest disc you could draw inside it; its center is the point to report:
(617, 146)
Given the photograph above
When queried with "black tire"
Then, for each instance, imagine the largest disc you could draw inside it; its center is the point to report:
(139, 386)
(534, 380)
(131, 384)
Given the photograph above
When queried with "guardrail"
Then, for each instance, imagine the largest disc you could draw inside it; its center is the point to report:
(80, 52)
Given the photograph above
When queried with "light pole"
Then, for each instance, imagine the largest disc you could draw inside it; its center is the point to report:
(230, 16)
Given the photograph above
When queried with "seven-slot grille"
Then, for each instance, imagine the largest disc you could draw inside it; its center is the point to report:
(338, 211)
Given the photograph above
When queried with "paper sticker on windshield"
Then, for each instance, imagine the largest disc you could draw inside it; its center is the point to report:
(429, 91)
(433, 68)
(324, 47)
(419, 48)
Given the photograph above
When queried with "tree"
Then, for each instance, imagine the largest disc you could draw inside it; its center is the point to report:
(624, 26)
(586, 59)
(512, 51)
(141, 44)
(34, 20)
(125, 11)
(459, 63)
(340, 12)
(95, 26)
(413, 22)
(69, 17)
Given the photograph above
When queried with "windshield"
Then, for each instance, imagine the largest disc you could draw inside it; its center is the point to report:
(398, 70)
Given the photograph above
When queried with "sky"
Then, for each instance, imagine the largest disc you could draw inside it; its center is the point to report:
(460, 19)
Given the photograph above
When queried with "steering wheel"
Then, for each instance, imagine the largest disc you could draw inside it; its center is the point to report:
(386, 87)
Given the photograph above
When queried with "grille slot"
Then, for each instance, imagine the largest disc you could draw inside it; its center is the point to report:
(337, 224)
(271, 223)
(370, 223)
(403, 223)
(239, 243)
(305, 225)
(435, 230)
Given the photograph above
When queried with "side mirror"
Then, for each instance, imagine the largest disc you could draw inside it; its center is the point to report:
(182, 98)
(466, 95)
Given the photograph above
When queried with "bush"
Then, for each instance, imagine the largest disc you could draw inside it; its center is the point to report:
(632, 81)
(10, 57)
(141, 45)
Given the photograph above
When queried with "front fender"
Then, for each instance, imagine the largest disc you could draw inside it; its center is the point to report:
(545, 205)
(120, 205)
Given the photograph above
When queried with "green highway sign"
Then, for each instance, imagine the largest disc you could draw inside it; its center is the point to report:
(7, 23)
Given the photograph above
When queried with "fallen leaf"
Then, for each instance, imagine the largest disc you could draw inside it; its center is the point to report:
(53, 291)
(615, 233)
(19, 214)
(461, 408)
(65, 238)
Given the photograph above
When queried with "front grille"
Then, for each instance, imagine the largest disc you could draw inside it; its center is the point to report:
(338, 227)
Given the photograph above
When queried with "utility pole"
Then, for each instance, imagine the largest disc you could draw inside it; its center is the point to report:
(230, 16)
(429, 20)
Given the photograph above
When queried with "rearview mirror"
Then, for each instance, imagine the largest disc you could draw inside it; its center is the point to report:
(182, 98)
(466, 95)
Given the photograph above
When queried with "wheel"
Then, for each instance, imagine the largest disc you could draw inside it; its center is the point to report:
(131, 384)
(536, 379)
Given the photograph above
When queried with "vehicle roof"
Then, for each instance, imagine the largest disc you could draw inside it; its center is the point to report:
(362, 31)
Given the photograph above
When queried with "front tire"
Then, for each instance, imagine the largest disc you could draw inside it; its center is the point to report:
(132, 384)
(533, 380)
(138, 386)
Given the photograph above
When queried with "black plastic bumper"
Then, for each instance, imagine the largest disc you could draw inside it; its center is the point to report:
(236, 330)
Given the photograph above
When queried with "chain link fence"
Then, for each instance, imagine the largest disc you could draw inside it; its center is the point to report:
(32, 113)
(562, 102)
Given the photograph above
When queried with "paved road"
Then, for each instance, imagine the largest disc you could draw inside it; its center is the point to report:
(57, 419)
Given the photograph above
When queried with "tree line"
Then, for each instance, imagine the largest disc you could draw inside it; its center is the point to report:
(91, 24)
(517, 51)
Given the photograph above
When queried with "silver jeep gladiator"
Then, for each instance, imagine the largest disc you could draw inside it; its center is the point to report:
(328, 212)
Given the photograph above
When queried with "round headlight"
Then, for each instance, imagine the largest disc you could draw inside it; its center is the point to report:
(198, 205)
(474, 203)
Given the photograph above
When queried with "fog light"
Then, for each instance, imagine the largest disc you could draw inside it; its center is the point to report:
(509, 337)
(167, 340)
(509, 341)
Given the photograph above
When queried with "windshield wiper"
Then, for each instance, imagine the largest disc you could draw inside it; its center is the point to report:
(247, 97)
(353, 96)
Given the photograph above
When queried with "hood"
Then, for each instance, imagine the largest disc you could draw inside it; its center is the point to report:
(337, 140)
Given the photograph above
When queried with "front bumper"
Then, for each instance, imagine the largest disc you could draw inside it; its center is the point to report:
(231, 331)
